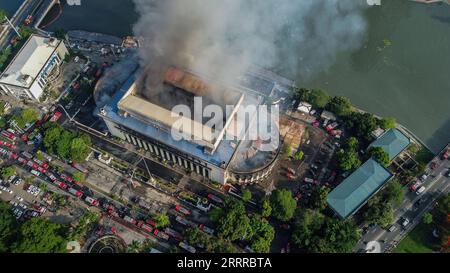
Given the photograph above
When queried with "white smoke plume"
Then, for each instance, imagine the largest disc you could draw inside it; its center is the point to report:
(223, 37)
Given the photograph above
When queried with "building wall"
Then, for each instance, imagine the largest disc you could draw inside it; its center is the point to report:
(166, 153)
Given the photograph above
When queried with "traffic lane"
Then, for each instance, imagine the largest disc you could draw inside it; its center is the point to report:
(407, 210)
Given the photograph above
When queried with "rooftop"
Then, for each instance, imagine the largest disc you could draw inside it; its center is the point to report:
(354, 191)
(29, 61)
(393, 142)
(221, 157)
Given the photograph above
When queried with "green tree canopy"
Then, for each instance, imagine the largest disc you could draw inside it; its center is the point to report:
(283, 204)
(394, 193)
(262, 235)
(361, 125)
(80, 148)
(79, 177)
(387, 123)
(232, 221)
(8, 227)
(27, 115)
(379, 155)
(52, 135)
(302, 94)
(319, 98)
(246, 195)
(352, 144)
(378, 212)
(266, 209)
(341, 106)
(38, 235)
(427, 218)
(319, 197)
(8, 171)
(63, 147)
(287, 150)
(347, 160)
(3, 15)
(299, 155)
(162, 221)
(316, 233)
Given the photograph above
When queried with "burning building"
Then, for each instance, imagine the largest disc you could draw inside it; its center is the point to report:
(142, 113)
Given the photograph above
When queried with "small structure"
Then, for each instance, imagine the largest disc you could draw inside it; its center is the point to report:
(377, 132)
(304, 107)
(327, 115)
(355, 190)
(393, 142)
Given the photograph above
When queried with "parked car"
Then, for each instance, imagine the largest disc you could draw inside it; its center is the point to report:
(392, 228)
(420, 190)
(405, 222)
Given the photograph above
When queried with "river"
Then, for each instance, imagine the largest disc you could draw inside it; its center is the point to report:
(401, 71)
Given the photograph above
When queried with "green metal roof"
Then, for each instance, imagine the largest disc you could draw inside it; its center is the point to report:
(354, 191)
(393, 142)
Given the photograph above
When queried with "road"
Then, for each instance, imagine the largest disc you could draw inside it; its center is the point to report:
(436, 185)
(26, 9)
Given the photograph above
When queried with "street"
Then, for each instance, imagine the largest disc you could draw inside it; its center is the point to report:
(436, 185)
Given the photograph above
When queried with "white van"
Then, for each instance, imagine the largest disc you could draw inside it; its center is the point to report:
(420, 190)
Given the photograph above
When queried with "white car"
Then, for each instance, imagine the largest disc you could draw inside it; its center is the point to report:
(19, 198)
(420, 190)
(9, 191)
(405, 222)
(23, 206)
(13, 203)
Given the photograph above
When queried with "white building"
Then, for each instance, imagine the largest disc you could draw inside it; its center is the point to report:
(35, 66)
(304, 107)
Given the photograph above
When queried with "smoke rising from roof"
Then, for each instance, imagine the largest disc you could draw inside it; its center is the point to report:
(223, 37)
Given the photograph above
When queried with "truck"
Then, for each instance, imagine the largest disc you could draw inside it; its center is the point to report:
(182, 209)
(91, 201)
(215, 198)
(75, 192)
(80, 168)
(187, 247)
(55, 117)
(144, 227)
(129, 220)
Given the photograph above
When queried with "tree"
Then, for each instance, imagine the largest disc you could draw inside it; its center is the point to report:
(134, 247)
(352, 144)
(3, 15)
(4, 56)
(79, 177)
(79, 149)
(51, 137)
(8, 226)
(379, 155)
(283, 204)
(387, 123)
(246, 195)
(39, 236)
(262, 235)
(26, 116)
(232, 221)
(379, 212)
(162, 221)
(287, 150)
(319, 98)
(316, 233)
(347, 160)
(319, 198)
(266, 209)
(64, 145)
(427, 218)
(213, 245)
(394, 193)
(299, 155)
(301, 94)
(361, 125)
(7, 172)
(341, 106)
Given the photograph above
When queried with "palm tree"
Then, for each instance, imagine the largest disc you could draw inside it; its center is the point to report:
(134, 247)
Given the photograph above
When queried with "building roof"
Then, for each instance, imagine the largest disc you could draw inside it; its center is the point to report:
(393, 142)
(29, 61)
(354, 191)
(304, 107)
(220, 158)
(328, 115)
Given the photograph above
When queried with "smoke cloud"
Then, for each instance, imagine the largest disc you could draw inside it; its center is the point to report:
(223, 37)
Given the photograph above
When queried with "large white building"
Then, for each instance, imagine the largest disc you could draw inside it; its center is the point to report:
(33, 68)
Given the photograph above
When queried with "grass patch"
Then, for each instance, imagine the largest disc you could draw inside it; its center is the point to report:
(419, 240)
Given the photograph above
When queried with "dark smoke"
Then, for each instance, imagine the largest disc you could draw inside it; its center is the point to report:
(223, 37)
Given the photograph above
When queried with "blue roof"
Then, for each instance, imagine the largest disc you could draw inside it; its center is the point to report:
(354, 191)
(393, 142)
(223, 153)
